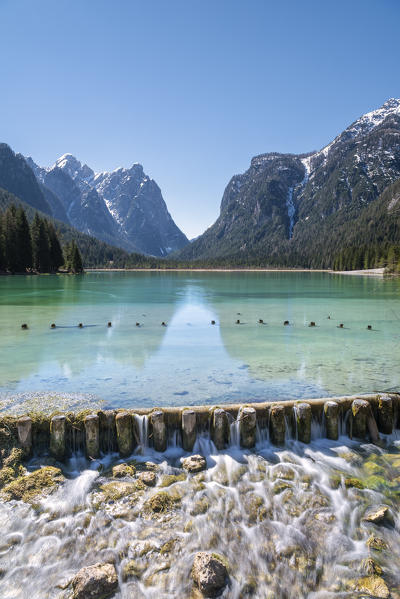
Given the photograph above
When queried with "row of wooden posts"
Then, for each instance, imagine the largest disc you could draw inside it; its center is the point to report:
(365, 418)
(25, 327)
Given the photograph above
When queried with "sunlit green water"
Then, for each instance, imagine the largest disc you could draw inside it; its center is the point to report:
(191, 361)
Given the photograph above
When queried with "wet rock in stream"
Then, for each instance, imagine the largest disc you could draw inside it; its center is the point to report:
(209, 573)
(99, 581)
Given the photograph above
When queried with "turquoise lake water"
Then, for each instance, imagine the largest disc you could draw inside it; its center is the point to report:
(191, 361)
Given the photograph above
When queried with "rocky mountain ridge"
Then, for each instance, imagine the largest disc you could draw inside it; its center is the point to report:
(124, 207)
(297, 210)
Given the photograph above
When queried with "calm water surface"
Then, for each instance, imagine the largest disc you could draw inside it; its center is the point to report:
(191, 361)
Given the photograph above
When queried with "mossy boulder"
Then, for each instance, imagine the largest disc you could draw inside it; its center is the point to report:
(114, 491)
(353, 482)
(200, 506)
(123, 470)
(374, 586)
(255, 508)
(194, 463)
(132, 569)
(168, 547)
(159, 503)
(283, 471)
(11, 465)
(371, 468)
(376, 543)
(370, 567)
(28, 487)
(149, 478)
(169, 479)
(281, 485)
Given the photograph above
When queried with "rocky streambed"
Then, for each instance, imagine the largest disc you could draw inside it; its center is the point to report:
(316, 521)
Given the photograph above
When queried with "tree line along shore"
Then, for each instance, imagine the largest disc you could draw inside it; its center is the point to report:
(34, 247)
(34, 244)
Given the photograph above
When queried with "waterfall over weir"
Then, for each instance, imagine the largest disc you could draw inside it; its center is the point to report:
(298, 500)
(96, 434)
(288, 518)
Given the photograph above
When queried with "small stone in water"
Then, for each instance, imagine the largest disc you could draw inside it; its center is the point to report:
(148, 478)
(150, 466)
(95, 582)
(122, 470)
(194, 463)
(209, 574)
(376, 543)
(380, 515)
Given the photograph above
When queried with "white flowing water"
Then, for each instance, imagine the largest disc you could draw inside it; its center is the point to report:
(288, 522)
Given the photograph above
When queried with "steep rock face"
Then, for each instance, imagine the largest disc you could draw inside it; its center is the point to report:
(298, 210)
(81, 205)
(124, 207)
(17, 178)
(136, 203)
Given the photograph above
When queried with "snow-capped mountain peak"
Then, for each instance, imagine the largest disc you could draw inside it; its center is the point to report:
(123, 207)
(373, 119)
(75, 169)
(361, 127)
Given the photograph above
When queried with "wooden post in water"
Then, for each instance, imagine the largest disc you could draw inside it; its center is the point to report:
(277, 425)
(92, 434)
(385, 414)
(220, 432)
(24, 430)
(360, 412)
(247, 427)
(58, 429)
(302, 412)
(189, 430)
(159, 430)
(123, 423)
(331, 411)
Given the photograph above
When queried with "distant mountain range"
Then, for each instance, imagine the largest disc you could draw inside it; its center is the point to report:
(300, 210)
(285, 210)
(124, 208)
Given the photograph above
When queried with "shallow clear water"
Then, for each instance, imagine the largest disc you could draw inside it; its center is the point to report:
(288, 521)
(191, 361)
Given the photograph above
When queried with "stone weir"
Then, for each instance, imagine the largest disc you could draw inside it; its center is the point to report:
(362, 417)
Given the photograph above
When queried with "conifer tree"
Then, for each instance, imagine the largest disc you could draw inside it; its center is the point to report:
(10, 239)
(56, 254)
(75, 259)
(24, 241)
(2, 257)
(40, 245)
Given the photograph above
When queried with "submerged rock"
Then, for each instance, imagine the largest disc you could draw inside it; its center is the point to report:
(160, 502)
(209, 574)
(148, 478)
(376, 543)
(194, 463)
(95, 582)
(370, 566)
(113, 491)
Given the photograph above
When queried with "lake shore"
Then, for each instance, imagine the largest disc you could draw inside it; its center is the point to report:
(367, 272)
(206, 270)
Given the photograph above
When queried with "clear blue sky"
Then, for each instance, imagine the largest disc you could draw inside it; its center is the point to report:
(192, 89)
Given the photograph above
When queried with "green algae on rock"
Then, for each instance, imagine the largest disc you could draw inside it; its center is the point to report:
(36, 484)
